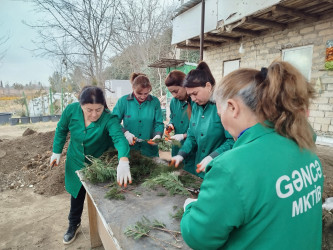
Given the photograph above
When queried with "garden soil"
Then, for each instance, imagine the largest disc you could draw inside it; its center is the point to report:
(34, 204)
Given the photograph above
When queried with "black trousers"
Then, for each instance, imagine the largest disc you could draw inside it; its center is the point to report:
(77, 203)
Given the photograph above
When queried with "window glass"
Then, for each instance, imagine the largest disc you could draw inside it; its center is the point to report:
(229, 66)
(301, 58)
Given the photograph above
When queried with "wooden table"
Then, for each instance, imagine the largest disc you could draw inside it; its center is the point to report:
(108, 219)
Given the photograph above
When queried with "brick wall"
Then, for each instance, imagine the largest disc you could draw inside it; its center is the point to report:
(261, 51)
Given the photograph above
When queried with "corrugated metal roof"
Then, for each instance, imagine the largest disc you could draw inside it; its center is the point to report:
(276, 17)
(166, 62)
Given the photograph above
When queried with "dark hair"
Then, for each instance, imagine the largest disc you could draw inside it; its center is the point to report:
(199, 77)
(92, 95)
(279, 94)
(175, 78)
(140, 80)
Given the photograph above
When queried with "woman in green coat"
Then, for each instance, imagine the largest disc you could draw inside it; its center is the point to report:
(266, 192)
(180, 114)
(92, 130)
(141, 115)
(205, 132)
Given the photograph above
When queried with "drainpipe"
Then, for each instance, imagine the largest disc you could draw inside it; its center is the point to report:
(202, 28)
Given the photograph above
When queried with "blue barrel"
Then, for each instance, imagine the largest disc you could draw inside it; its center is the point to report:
(4, 118)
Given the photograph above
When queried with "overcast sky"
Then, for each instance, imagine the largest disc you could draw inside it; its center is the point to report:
(19, 64)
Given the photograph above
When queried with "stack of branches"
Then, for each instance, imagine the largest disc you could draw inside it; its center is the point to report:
(144, 170)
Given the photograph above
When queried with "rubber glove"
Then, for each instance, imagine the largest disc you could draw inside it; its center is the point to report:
(203, 164)
(178, 137)
(169, 129)
(188, 201)
(156, 137)
(123, 173)
(176, 160)
(55, 159)
(130, 138)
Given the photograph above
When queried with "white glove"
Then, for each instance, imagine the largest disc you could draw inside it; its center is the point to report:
(130, 138)
(178, 137)
(176, 160)
(203, 164)
(55, 159)
(188, 201)
(123, 173)
(156, 137)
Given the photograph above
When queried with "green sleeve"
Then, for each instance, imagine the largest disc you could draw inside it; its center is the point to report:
(189, 144)
(61, 132)
(200, 227)
(227, 144)
(172, 111)
(119, 112)
(118, 138)
(158, 124)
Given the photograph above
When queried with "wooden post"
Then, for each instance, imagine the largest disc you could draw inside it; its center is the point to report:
(95, 240)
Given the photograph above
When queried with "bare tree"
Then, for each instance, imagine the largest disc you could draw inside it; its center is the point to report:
(144, 36)
(78, 31)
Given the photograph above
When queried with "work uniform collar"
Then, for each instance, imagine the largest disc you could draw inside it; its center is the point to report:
(253, 133)
(131, 97)
(184, 103)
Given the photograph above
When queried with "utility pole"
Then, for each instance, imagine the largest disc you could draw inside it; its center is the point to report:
(202, 28)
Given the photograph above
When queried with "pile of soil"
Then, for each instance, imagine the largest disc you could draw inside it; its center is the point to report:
(25, 162)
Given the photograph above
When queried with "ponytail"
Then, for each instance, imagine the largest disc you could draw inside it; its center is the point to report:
(199, 77)
(140, 80)
(284, 99)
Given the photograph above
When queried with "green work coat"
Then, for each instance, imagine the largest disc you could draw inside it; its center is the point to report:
(265, 193)
(142, 120)
(179, 119)
(92, 140)
(206, 133)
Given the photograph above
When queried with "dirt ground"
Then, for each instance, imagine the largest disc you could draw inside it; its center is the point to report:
(33, 202)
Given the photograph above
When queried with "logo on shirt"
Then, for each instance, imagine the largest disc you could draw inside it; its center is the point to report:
(305, 177)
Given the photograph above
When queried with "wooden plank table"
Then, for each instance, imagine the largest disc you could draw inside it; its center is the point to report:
(108, 219)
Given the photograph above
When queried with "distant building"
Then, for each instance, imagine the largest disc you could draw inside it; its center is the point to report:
(117, 88)
(253, 33)
(41, 105)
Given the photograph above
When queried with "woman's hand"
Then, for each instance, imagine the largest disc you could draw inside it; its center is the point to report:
(201, 167)
(123, 172)
(178, 137)
(55, 159)
(176, 160)
(130, 137)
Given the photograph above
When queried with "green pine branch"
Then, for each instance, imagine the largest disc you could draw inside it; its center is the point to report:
(169, 181)
(97, 171)
(145, 226)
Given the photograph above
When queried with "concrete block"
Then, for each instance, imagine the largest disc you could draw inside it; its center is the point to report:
(306, 30)
(324, 127)
(321, 100)
(320, 120)
(328, 80)
(325, 107)
(316, 113)
(322, 26)
(316, 126)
